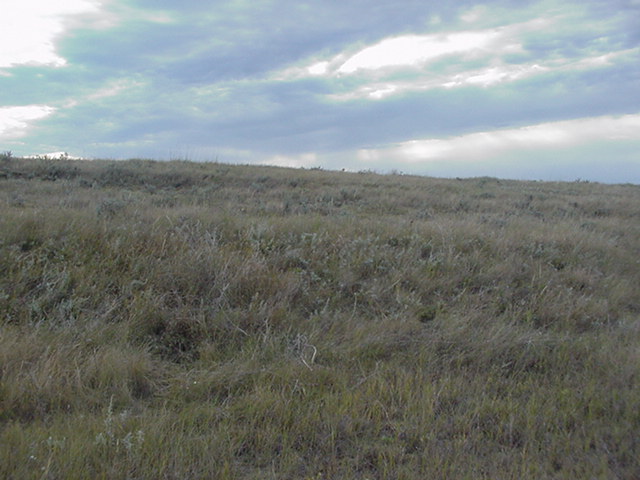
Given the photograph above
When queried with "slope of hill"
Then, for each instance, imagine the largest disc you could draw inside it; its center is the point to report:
(186, 320)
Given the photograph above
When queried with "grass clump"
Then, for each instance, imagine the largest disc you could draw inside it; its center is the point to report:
(186, 320)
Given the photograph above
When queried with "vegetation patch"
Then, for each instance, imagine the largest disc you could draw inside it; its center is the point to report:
(200, 320)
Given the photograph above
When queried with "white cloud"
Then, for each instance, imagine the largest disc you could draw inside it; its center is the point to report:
(494, 75)
(115, 88)
(30, 27)
(485, 77)
(412, 50)
(474, 15)
(405, 63)
(484, 58)
(482, 145)
(497, 73)
(14, 121)
(599, 148)
(304, 160)
(417, 51)
(319, 68)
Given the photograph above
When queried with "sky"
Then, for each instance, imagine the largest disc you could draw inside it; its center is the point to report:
(539, 90)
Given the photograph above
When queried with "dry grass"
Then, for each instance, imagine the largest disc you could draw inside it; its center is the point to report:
(181, 320)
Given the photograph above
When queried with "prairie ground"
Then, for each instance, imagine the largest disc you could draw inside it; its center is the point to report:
(198, 320)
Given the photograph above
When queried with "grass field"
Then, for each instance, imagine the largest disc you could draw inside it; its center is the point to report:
(185, 320)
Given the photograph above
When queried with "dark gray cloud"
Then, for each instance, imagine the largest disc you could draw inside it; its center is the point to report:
(215, 41)
(158, 77)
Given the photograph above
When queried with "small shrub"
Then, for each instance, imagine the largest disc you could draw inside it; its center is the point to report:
(119, 176)
(427, 314)
(109, 208)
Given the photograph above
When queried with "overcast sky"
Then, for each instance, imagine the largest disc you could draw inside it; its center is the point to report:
(545, 90)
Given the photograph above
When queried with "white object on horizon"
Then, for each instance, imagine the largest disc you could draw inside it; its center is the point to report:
(55, 156)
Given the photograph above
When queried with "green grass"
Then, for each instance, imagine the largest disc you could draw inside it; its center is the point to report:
(183, 320)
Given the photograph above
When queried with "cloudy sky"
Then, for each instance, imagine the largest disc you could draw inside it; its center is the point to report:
(545, 89)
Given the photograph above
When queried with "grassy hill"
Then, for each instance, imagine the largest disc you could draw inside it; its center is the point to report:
(181, 320)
